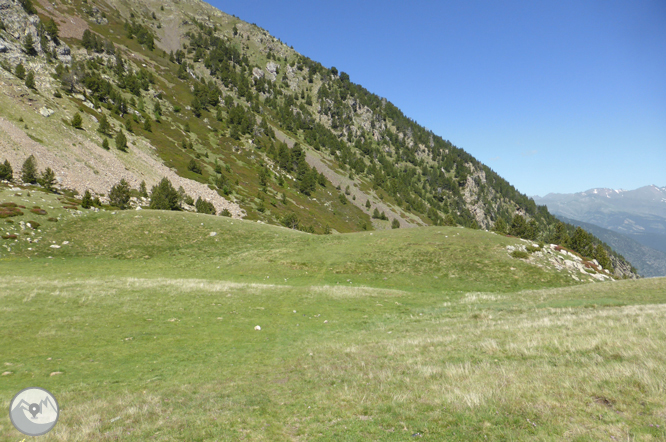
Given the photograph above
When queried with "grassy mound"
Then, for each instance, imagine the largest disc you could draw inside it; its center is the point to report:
(142, 324)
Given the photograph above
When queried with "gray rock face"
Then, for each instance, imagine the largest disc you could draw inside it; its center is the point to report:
(272, 69)
(258, 73)
(3, 48)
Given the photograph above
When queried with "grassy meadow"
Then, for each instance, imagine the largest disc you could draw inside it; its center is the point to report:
(141, 323)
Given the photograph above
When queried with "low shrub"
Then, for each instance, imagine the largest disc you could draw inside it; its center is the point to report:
(38, 211)
(53, 220)
(532, 249)
(10, 236)
(520, 254)
(8, 205)
(34, 225)
(70, 207)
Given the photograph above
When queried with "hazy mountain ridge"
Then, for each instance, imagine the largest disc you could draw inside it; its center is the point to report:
(649, 261)
(216, 108)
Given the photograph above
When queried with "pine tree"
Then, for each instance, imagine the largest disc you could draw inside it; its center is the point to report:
(119, 195)
(86, 201)
(30, 80)
(164, 196)
(48, 179)
(602, 257)
(500, 226)
(105, 144)
(147, 126)
(77, 121)
(367, 204)
(52, 29)
(29, 45)
(104, 126)
(395, 224)
(6, 171)
(29, 171)
(142, 189)
(20, 71)
(121, 141)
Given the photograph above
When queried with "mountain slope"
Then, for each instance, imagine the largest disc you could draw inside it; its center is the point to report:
(244, 121)
(648, 260)
(640, 214)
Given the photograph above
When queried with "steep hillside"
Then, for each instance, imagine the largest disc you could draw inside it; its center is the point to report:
(236, 117)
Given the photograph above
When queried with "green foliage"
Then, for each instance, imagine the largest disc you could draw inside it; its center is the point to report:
(119, 195)
(29, 45)
(51, 28)
(143, 191)
(86, 201)
(30, 80)
(225, 212)
(395, 224)
(194, 166)
(105, 144)
(121, 141)
(147, 126)
(6, 171)
(500, 226)
(602, 257)
(20, 71)
(519, 226)
(581, 242)
(343, 198)
(48, 179)
(367, 204)
(77, 121)
(29, 171)
(520, 254)
(204, 206)
(104, 126)
(28, 6)
(164, 197)
(290, 220)
(143, 34)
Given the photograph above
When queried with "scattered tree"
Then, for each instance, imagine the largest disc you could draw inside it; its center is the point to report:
(20, 71)
(500, 226)
(87, 200)
(164, 196)
(77, 121)
(121, 141)
(51, 28)
(204, 206)
(142, 189)
(104, 126)
(119, 195)
(147, 126)
(30, 80)
(194, 166)
(29, 171)
(395, 224)
(48, 179)
(29, 45)
(6, 171)
(105, 144)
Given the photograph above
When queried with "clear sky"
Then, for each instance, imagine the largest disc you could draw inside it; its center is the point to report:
(555, 96)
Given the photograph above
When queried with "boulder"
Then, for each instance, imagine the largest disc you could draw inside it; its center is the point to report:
(46, 112)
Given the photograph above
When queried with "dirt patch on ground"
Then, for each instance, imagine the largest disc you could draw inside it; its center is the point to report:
(70, 27)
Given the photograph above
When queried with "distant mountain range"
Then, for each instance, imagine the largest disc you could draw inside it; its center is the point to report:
(638, 216)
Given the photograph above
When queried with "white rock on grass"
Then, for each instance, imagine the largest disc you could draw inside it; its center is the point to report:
(258, 328)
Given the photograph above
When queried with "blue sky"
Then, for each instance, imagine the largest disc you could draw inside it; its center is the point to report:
(555, 96)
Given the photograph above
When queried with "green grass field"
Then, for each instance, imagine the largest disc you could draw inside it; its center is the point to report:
(141, 323)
